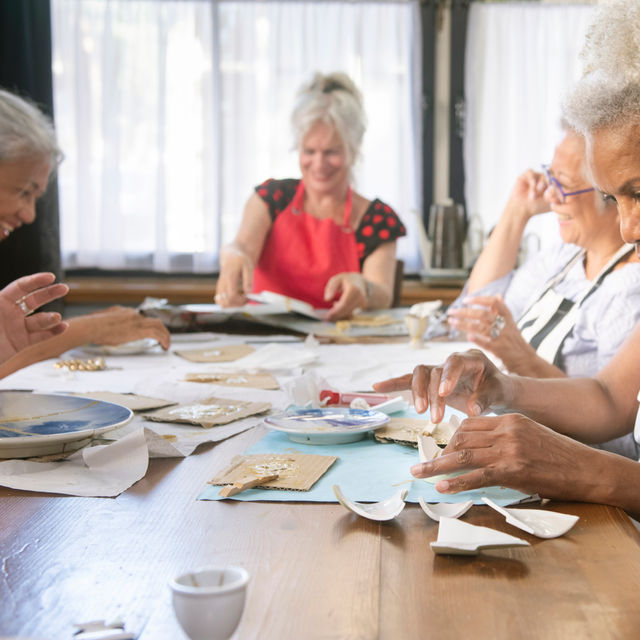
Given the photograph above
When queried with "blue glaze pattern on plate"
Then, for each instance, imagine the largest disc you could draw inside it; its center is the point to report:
(33, 423)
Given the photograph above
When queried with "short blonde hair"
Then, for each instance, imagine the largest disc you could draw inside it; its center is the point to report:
(334, 99)
(25, 131)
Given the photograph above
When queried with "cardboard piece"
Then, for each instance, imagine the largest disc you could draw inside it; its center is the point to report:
(222, 353)
(236, 379)
(209, 413)
(362, 320)
(296, 471)
(407, 430)
(129, 400)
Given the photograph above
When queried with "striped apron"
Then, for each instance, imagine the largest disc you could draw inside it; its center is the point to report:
(551, 318)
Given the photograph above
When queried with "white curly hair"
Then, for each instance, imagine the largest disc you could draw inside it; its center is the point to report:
(25, 131)
(332, 98)
(608, 94)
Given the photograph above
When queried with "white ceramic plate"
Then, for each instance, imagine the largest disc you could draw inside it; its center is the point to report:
(326, 426)
(126, 349)
(35, 424)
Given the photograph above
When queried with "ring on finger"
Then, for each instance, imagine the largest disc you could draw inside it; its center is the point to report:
(24, 307)
(497, 326)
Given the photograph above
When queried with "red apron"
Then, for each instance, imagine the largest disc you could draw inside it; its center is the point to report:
(301, 253)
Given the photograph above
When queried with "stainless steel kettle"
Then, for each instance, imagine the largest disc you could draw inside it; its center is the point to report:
(447, 236)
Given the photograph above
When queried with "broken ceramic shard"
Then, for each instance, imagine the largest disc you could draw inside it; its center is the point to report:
(379, 511)
(461, 538)
(538, 522)
(445, 509)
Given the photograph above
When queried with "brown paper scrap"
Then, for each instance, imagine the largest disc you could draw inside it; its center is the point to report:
(238, 379)
(296, 471)
(221, 353)
(210, 412)
(130, 400)
(407, 430)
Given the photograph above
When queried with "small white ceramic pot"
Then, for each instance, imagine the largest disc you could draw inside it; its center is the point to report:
(209, 601)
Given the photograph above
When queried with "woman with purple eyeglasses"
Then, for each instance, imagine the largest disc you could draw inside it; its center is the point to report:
(568, 308)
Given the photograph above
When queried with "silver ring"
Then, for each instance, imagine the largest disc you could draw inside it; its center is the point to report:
(23, 307)
(497, 326)
(221, 296)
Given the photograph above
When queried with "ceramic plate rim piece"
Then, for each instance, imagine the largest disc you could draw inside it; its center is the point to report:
(328, 435)
(24, 446)
(134, 347)
(361, 509)
(518, 518)
(462, 508)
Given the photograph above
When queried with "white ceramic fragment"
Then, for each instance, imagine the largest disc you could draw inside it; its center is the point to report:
(460, 538)
(379, 511)
(538, 522)
(428, 449)
(445, 509)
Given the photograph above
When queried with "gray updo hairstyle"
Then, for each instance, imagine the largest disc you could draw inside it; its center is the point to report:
(25, 131)
(608, 94)
(334, 99)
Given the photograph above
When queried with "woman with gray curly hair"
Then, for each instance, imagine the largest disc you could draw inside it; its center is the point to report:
(517, 451)
(29, 153)
(315, 238)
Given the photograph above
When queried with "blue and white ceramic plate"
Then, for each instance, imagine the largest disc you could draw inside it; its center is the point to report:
(34, 424)
(326, 426)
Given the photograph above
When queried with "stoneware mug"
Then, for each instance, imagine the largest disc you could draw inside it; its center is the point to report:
(209, 601)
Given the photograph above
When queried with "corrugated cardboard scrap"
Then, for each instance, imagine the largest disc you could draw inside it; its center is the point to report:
(237, 379)
(221, 353)
(407, 430)
(130, 400)
(210, 412)
(296, 471)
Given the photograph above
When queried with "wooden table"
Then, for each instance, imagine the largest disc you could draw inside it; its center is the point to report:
(316, 570)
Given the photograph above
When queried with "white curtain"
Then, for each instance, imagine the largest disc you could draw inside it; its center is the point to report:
(521, 60)
(171, 111)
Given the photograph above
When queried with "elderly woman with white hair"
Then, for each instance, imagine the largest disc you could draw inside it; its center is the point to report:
(28, 154)
(514, 450)
(315, 238)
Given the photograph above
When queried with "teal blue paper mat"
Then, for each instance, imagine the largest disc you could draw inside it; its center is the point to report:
(367, 471)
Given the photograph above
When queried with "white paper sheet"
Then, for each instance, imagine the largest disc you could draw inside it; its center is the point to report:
(100, 471)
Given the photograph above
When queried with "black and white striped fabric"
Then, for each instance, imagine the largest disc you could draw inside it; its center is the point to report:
(551, 318)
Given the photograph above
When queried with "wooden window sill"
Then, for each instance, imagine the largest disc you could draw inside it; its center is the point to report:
(132, 291)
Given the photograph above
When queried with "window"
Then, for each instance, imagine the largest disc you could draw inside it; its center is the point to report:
(171, 111)
(521, 60)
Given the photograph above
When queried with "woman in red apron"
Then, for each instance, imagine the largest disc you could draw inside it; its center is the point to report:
(315, 239)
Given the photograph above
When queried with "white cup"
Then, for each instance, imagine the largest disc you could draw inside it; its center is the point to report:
(416, 326)
(209, 601)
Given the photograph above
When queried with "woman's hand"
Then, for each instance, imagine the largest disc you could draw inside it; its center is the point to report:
(527, 197)
(487, 321)
(117, 325)
(466, 381)
(236, 277)
(516, 452)
(351, 290)
(18, 327)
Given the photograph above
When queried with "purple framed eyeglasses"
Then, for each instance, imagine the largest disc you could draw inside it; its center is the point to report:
(558, 191)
